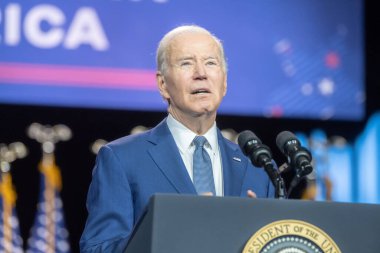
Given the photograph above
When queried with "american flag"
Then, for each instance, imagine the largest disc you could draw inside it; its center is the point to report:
(49, 234)
(10, 239)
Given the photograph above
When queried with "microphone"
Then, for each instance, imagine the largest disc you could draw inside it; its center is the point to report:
(298, 157)
(261, 156)
(252, 147)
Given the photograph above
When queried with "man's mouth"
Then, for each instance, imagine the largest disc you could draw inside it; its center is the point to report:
(200, 91)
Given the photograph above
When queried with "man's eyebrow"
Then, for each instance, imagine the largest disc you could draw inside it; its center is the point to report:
(185, 58)
(211, 57)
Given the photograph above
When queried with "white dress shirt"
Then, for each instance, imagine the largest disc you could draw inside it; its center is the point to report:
(184, 137)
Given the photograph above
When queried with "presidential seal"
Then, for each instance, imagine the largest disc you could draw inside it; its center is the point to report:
(290, 236)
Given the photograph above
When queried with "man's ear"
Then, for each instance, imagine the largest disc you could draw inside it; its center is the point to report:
(225, 88)
(160, 79)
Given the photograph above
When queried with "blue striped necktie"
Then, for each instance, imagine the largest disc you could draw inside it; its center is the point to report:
(202, 168)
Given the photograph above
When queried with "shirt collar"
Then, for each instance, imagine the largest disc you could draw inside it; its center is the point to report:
(184, 136)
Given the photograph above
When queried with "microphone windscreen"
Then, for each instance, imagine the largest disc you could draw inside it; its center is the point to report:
(245, 137)
(283, 138)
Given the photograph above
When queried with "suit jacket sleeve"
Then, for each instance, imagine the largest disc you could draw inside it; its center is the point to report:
(110, 207)
(257, 180)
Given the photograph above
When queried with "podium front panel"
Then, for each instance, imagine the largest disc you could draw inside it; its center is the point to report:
(188, 224)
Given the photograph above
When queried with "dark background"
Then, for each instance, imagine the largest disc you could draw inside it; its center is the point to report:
(76, 160)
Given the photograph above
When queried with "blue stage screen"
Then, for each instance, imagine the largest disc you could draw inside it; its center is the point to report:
(292, 59)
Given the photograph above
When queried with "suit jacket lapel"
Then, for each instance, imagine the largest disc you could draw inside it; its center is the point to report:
(165, 154)
(234, 167)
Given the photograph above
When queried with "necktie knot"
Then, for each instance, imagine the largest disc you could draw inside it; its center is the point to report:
(199, 141)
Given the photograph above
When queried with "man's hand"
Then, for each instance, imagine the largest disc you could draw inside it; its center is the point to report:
(206, 194)
(251, 194)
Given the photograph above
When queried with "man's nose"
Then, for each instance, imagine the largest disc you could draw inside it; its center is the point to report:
(200, 71)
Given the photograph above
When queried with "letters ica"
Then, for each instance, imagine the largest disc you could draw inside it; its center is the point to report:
(47, 26)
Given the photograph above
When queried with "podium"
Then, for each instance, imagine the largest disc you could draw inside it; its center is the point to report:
(200, 224)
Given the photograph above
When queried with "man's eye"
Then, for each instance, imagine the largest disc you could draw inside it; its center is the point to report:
(185, 63)
(211, 63)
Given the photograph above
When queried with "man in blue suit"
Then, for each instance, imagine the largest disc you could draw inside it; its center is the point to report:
(192, 78)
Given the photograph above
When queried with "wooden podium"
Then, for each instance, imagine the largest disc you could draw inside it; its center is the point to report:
(200, 224)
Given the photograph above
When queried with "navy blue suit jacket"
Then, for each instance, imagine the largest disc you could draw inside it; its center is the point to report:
(130, 170)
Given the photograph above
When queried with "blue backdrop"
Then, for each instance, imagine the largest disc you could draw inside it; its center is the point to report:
(292, 58)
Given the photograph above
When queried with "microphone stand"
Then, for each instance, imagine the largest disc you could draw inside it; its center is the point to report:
(302, 170)
(277, 180)
(280, 188)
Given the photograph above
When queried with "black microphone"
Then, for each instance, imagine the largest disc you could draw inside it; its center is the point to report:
(252, 147)
(261, 156)
(298, 157)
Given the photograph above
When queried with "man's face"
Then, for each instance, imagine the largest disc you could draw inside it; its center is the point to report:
(194, 81)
